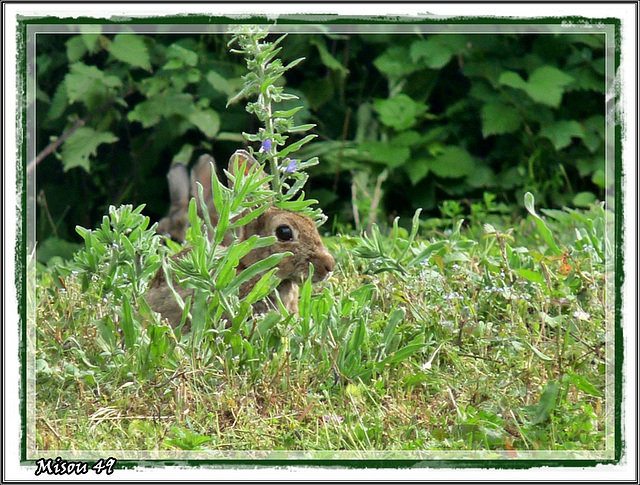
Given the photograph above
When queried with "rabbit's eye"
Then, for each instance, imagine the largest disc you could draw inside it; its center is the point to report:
(284, 233)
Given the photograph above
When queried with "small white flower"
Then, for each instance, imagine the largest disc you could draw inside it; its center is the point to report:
(581, 315)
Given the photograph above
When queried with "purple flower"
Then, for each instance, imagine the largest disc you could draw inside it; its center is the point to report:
(266, 145)
(332, 418)
(292, 167)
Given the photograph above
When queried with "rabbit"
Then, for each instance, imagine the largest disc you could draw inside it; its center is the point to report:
(295, 233)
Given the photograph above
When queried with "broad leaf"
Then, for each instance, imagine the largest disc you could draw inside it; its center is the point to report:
(82, 144)
(430, 52)
(499, 118)
(385, 153)
(89, 85)
(547, 403)
(452, 162)
(130, 48)
(400, 112)
(393, 62)
(417, 169)
(207, 121)
(530, 275)
(561, 132)
(220, 83)
(546, 84)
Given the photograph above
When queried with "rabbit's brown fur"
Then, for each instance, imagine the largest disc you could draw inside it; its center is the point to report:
(294, 233)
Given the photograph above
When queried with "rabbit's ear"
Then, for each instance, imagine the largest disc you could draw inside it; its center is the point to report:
(242, 160)
(175, 224)
(178, 179)
(201, 172)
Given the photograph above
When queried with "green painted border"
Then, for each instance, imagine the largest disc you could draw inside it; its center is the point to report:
(21, 256)
(21, 242)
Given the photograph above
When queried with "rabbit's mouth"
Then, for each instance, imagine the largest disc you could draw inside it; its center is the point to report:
(300, 277)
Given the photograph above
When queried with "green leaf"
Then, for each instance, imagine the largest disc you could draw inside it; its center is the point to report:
(546, 84)
(265, 285)
(58, 103)
(584, 199)
(152, 110)
(295, 146)
(184, 155)
(179, 57)
(385, 153)
(538, 353)
(257, 268)
(400, 112)
(512, 79)
(547, 403)
(400, 355)
(328, 60)
(287, 113)
(531, 275)
(584, 385)
(207, 121)
(390, 328)
(482, 177)
(90, 40)
(409, 138)
(417, 169)
(358, 337)
(545, 232)
(89, 84)
(131, 49)
(452, 162)
(393, 62)
(76, 48)
(431, 52)
(499, 118)
(81, 145)
(561, 132)
(301, 128)
(128, 327)
(599, 178)
(220, 83)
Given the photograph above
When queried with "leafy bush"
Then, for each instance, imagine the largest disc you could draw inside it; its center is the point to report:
(472, 113)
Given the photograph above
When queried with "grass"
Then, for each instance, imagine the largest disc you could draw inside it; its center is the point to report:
(440, 336)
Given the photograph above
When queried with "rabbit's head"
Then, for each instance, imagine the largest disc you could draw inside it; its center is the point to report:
(294, 233)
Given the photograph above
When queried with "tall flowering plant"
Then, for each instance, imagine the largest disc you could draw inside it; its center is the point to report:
(274, 151)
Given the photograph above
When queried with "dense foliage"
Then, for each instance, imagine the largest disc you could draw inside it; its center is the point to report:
(403, 121)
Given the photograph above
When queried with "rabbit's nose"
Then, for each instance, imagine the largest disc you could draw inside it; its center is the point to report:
(329, 263)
